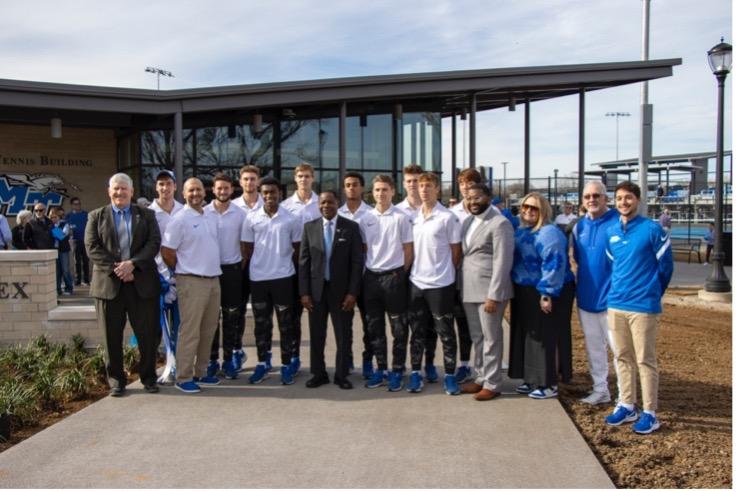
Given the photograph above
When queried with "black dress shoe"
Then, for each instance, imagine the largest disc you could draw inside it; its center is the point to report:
(117, 391)
(151, 388)
(318, 380)
(343, 383)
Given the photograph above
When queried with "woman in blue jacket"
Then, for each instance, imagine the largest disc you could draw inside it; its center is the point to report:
(544, 289)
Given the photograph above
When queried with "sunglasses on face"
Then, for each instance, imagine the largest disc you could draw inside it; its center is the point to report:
(39, 209)
(591, 196)
(529, 208)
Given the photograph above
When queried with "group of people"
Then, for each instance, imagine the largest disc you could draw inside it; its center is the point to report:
(50, 229)
(433, 272)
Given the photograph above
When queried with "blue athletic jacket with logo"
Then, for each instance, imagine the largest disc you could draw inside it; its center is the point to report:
(589, 240)
(540, 259)
(642, 266)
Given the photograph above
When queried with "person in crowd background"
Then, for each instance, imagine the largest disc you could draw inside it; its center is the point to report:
(62, 233)
(709, 239)
(37, 232)
(20, 222)
(544, 290)
(77, 219)
(6, 236)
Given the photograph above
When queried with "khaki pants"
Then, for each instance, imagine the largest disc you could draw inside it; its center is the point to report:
(199, 309)
(634, 338)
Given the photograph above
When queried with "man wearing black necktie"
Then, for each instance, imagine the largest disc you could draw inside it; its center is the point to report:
(330, 270)
(122, 240)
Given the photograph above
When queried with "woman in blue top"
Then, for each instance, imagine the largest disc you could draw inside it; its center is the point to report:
(544, 289)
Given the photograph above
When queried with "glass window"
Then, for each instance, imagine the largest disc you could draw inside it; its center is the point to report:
(422, 140)
(315, 141)
(157, 148)
(234, 146)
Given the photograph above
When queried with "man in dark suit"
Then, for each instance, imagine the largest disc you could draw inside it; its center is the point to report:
(122, 240)
(330, 269)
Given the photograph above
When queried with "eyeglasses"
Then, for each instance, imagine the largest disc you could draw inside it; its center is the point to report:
(39, 209)
(592, 196)
(529, 208)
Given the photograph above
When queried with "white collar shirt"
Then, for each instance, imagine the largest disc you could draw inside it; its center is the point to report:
(362, 216)
(195, 238)
(563, 219)
(273, 239)
(460, 212)
(477, 220)
(406, 207)
(240, 203)
(433, 267)
(385, 239)
(229, 228)
(163, 217)
(305, 211)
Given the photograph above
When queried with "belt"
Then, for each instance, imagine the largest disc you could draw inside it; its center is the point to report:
(384, 273)
(196, 276)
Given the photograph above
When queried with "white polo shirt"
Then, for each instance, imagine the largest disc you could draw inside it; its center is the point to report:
(385, 239)
(433, 235)
(362, 216)
(460, 212)
(410, 211)
(240, 202)
(162, 217)
(195, 239)
(305, 211)
(273, 239)
(229, 227)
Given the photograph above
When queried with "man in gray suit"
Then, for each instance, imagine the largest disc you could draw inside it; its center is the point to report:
(122, 240)
(488, 254)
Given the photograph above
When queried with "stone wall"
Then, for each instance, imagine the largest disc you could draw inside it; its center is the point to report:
(28, 303)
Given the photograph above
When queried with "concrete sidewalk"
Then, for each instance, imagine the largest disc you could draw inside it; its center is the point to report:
(238, 435)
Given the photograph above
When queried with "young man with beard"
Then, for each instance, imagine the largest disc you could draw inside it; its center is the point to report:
(271, 239)
(437, 253)
(228, 218)
(641, 257)
(187, 248)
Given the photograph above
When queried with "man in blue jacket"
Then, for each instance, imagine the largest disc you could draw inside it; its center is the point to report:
(589, 239)
(78, 221)
(641, 257)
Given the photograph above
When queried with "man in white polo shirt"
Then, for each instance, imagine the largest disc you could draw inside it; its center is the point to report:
(437, 253)
(229, 220)
(304, 204)
(249, 201)
(412, 203)
(389, 254)
(187, 248)
(271, 238)
(359, 211)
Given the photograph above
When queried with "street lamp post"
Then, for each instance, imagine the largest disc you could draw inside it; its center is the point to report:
(617, 115)
(159, 72)
(719, 58)
(556, 171)
(503, 189)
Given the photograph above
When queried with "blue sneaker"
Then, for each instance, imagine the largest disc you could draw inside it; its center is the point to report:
(463, 374)
(207, 380)
(188, 387)
(259, 375)
(367, 369)
(231, 369)
(395, 381)
(287, 377)
(430, 372)
(377, 379)
(647, 423)
(212, 368)
(451, 387)
(295, 365)
(416, 384)
(239, 358)
(269, 366)
(621, 415)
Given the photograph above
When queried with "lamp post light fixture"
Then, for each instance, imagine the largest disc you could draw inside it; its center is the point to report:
(719, 58)
(159, 72)
(617, 115)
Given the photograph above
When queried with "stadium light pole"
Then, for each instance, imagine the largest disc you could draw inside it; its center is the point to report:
(159, 72)
(719, 58)
(617, 115)
(503, 190)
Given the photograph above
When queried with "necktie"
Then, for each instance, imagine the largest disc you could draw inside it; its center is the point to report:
(328, 249)
(123, 237)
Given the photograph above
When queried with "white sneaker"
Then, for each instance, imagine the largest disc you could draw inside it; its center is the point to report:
(596, 398)
(544, 392)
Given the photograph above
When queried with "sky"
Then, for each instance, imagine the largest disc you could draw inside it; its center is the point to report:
(242, 42)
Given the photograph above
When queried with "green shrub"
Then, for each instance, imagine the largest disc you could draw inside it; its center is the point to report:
(18, 400)
(78, 343)
(72, 384)
(131, 359)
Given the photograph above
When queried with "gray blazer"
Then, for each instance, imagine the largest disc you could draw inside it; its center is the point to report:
(487, 259)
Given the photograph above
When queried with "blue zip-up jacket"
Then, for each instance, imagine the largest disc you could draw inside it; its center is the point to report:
(589, 239)
(641, 257)
(540, 259)
(79, 221)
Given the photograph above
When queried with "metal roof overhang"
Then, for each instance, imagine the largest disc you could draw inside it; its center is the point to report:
(444, 92)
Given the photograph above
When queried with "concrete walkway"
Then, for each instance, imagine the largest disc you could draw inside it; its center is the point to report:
(238, 435)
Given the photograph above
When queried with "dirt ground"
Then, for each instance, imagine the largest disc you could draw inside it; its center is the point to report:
(693, 448)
